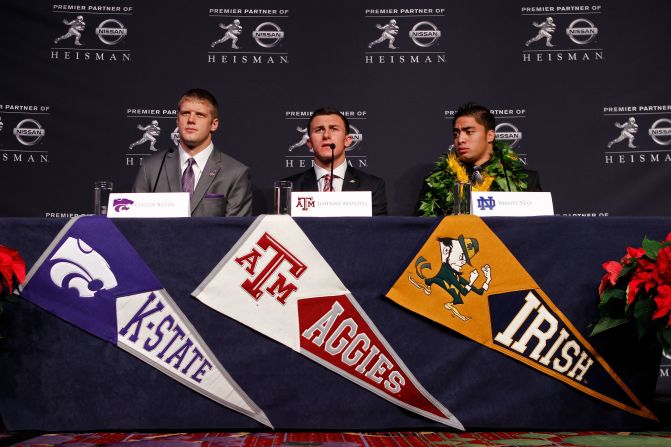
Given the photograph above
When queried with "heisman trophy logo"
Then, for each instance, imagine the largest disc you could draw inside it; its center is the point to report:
(266, 35)
(424, 34)
(109, 31)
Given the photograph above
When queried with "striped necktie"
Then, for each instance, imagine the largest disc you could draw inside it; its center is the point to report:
(328, 183)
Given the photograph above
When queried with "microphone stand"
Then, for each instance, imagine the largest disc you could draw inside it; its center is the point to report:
(332, 146)
(160, 169)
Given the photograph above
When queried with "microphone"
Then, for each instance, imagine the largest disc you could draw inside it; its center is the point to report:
(332, 146)
(160, 169)
(476, 176)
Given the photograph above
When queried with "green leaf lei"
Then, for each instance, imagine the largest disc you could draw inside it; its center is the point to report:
(437, 199)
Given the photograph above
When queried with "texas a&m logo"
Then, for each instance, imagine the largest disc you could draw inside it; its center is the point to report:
(279, 287)
(305, 203)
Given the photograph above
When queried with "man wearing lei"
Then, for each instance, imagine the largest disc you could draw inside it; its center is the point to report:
(475, 158)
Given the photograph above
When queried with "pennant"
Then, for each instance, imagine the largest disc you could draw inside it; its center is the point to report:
(466, 279)
(92, 277)
(276, 282)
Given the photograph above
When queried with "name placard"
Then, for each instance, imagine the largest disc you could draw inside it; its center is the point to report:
(157, 204)
(331, 204)
(502, 203)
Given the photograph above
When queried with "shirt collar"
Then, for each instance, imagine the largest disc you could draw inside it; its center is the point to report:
(201, 157)
(338, 171)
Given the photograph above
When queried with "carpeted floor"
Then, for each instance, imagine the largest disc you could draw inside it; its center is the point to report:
(390, 439)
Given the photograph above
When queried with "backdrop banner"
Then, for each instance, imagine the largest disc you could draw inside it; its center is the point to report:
(579, 89)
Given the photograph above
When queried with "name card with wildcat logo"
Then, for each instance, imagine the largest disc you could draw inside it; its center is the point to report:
(503, 203)
(145, 204)
(332, 204)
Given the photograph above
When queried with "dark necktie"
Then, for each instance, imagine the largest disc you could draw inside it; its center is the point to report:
(188, 177)
(476, 177)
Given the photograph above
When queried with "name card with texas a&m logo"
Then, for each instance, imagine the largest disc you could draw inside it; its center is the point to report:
(331, 204)
(92, 277)
(276, 282)
(466, 279)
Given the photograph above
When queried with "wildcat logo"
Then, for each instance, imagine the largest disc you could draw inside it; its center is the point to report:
(566, 355)
(454, 254)
(78, 266)
(122, 204)
(305, 203)
(280, 287)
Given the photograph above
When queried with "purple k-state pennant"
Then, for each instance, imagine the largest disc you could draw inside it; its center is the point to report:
(92, 277)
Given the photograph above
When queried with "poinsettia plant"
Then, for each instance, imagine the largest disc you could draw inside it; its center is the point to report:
(638, 288)
(12, 271)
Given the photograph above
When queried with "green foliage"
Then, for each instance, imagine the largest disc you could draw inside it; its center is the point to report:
(438, 200)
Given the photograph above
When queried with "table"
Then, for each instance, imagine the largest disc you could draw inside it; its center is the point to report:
(56, 377)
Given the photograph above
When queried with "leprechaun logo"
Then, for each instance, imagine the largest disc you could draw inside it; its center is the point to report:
(466, 279)
(454, 254)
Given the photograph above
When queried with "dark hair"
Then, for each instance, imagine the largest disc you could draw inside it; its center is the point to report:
(328, 111)
(481, 114)
(202, 95)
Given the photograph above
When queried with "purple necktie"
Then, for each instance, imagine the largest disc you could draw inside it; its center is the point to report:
(188, 177)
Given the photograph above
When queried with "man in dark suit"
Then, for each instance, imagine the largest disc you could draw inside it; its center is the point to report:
(219, 185)
(327, 126)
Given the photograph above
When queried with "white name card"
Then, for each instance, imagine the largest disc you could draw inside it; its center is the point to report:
(501, 203)
(156, 204)
(331, 204)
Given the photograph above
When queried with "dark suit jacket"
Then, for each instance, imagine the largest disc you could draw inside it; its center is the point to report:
(533, 181)
(355, 180)
(224, 187)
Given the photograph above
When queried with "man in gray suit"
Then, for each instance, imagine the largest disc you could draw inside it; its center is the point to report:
(219, 184)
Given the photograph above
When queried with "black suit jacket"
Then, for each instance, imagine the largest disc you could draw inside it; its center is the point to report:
(355, 180)
(533, 181)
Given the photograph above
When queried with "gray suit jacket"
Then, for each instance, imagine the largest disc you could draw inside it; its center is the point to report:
(224, 187)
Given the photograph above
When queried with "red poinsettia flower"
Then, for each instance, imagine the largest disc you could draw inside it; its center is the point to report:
(609, 279)
(635, 253)
(640, 278)
(12, 268)
(663, 302)
(663, 272)
(643, 274)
